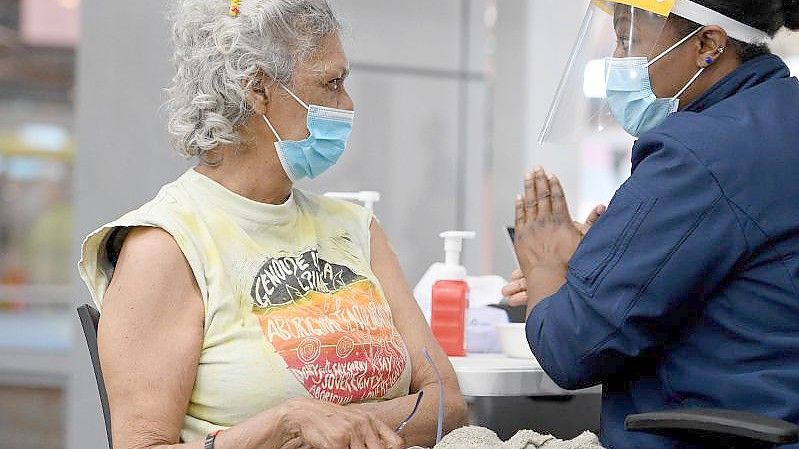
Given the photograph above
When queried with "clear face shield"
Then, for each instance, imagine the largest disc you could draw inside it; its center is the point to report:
(607, 87)
(614, 29)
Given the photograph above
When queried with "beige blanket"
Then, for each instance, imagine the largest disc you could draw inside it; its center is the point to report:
(481, 438)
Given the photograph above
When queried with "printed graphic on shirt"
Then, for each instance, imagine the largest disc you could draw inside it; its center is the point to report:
(285, 280)
(332, 327)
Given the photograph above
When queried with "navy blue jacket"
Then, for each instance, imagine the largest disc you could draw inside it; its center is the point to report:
(684, 294)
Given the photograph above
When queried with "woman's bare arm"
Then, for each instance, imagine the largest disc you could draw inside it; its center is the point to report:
(150, 338)
(415, 331)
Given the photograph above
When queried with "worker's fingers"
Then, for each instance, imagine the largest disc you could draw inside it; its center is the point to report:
(543, 195)
(517, 274)
(594, 215)
(530, 204)
(560, 209)
(520, 213)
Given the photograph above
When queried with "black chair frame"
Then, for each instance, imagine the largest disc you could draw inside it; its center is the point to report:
(90, 320)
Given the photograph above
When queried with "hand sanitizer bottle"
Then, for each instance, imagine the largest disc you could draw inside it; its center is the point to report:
(450, 296)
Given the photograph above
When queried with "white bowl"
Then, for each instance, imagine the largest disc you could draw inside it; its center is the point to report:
(513, 338)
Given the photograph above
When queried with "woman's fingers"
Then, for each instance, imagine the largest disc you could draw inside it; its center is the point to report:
(517, 274)
(371, 433)
(294, 443)
(560, 209)
(388, 438)
(358, 443)
(342, 427)
(543, 195)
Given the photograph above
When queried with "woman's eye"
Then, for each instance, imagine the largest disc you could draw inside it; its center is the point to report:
(335, 84)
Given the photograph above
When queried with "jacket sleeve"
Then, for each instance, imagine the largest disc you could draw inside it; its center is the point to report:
(642, 273)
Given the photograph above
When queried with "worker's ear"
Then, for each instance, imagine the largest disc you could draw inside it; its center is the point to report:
(711, 43)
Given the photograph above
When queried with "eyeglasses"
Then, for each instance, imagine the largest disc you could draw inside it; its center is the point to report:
(420, 395)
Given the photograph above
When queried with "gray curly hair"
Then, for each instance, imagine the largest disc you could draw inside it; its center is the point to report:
(218, 58)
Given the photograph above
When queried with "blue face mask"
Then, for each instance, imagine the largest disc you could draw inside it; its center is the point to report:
(328, 129)
(630, 96)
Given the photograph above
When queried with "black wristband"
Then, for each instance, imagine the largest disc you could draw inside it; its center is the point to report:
(210, 439)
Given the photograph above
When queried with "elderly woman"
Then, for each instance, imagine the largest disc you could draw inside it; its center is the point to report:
(235, 302)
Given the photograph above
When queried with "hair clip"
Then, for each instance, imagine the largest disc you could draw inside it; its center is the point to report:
(234, 8)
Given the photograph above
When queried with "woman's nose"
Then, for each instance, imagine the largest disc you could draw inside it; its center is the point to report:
(346, 102)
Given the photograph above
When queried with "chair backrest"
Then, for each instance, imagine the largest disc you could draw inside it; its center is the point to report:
(90, 320)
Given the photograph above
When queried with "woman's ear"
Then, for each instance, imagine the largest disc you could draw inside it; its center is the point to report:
(258, 96)
(713, 40)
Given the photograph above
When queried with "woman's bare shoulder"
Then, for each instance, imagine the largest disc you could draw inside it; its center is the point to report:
(151, 265)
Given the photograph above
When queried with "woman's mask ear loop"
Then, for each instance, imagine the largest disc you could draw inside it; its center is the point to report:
(272, 128)
(269, 124)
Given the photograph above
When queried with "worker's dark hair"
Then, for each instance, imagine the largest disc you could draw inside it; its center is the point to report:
(765, 15)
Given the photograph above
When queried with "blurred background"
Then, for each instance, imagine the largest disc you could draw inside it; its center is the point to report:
(450, 96)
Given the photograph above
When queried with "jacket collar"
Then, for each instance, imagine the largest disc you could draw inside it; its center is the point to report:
(749, 74)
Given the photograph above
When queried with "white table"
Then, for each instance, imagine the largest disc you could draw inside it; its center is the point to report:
(498, 375)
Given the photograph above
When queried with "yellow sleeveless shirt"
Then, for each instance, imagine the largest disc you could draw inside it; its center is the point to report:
(292, 308)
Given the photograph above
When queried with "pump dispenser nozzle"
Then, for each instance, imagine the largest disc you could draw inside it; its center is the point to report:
(453, 245)
(368, 198)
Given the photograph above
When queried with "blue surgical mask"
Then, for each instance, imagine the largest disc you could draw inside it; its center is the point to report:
(328, 129)
(630, 96)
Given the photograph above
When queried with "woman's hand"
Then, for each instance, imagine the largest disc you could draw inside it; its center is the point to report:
(546, 238)
(316, 424)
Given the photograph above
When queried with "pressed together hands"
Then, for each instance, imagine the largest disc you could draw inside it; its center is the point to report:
(546, 238)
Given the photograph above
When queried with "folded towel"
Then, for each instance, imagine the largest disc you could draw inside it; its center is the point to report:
(472, 437)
